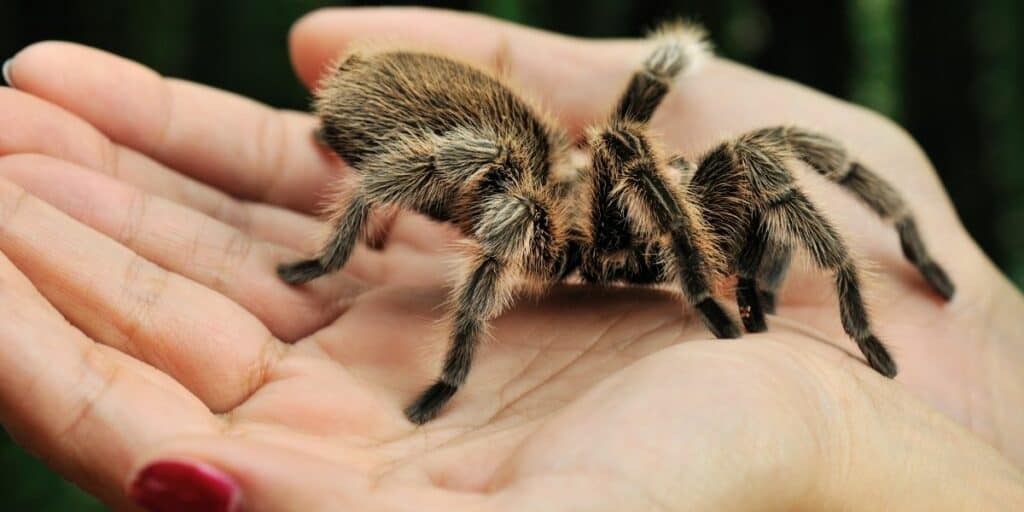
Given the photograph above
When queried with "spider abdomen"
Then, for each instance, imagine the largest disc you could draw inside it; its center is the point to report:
(376, 100)
(434, 135)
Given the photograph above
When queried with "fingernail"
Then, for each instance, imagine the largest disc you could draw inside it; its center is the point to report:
(7, 72)
(180, 486)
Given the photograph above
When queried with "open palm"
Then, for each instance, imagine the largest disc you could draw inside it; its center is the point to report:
(142, 220)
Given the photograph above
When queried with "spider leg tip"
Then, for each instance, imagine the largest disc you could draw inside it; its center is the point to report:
(939, 280)
(300, 271)
(429, 403)
(878, 357)
(755, 323)
(717, 320)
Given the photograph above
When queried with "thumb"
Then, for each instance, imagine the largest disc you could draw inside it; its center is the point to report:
(578, 79)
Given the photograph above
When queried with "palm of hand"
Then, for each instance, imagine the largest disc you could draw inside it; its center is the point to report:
(580, 389)
(626, 370)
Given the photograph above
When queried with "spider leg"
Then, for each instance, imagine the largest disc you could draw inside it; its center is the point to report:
(688, 262)
(653, 202)
(476, 299)
(829, 158)
(774, 267)
(792, 213)
(348, 225)
(678, 48)
(514, 233)
(421, 175)
(718, 188)
(748, 265)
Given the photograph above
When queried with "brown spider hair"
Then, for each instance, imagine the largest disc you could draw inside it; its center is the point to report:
(434, 135)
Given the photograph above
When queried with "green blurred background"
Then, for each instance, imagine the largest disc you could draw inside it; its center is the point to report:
(949, 71)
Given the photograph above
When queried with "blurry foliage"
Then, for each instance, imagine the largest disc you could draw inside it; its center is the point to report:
(949, 71)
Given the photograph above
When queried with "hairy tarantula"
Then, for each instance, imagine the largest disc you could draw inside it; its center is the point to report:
(433, 135)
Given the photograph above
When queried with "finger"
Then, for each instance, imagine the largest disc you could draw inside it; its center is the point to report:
(86, 409)
(210, 344)
(214, 254)
(191, 244)
(47, 129)
(231, 154)
(233, 143)
(554, 67)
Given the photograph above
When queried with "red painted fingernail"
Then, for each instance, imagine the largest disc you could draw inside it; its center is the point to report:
(180, 486)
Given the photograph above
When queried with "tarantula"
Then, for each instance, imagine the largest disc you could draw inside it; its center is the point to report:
(433, 135)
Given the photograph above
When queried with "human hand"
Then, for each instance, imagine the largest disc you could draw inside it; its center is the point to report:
(179, 353)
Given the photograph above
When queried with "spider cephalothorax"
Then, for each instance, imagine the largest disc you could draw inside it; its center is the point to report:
(433, 135)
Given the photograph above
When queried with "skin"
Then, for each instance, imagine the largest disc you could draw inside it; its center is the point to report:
(141, 220)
